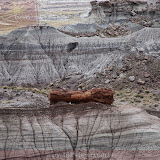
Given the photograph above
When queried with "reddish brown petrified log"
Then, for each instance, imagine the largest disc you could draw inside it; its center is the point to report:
(95, 95)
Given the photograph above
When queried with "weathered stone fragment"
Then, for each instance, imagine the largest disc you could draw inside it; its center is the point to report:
(141, 82)
(132, 78)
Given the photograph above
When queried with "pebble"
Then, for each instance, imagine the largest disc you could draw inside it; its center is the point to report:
(141, 82)
(114, 76)
(124, 69)
(146, 58)
(132, 78)
(147, 75)
(122, 75)
(107, 81)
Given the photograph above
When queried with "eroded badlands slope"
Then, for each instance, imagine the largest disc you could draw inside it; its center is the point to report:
(79, 131)
(41, 54)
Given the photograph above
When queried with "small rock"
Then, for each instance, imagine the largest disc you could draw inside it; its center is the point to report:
(81, 86)
(51, 84)
(107, 81)
(124, 69)
(118, 73)
(147, 79)
(17, 94)
(144, 62)
(122, 75)
(141, 82)
(133, 50)
(133, 13)
(109, 69)
(114, 76)
(132, 78)
(147, 75)
(146, 58)
(141, 50)
(101, 74)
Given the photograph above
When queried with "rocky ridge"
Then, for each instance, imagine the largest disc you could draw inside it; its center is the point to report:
(132, 15)
(111, 11)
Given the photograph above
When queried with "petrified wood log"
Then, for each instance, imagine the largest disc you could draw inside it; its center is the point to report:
(95, 95)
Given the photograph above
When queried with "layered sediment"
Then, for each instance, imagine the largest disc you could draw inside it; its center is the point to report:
(118, 11)
(131, 14)
(79, 132)
(41, 54)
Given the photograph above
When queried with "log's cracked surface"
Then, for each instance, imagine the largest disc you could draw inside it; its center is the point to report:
(104, 96)
(82, 131)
